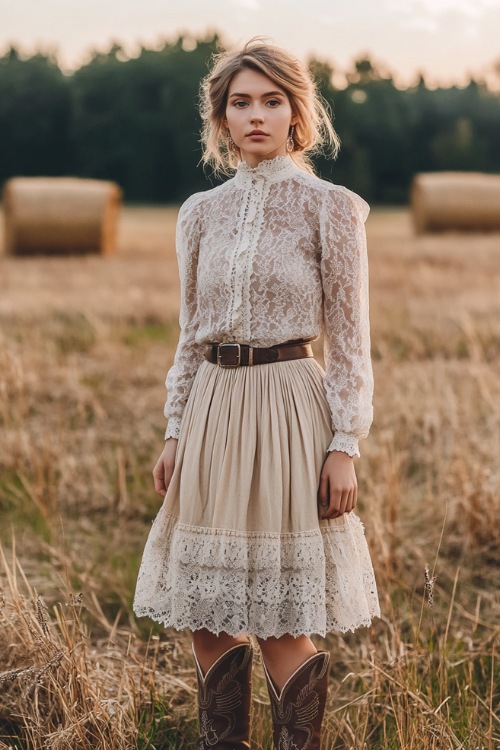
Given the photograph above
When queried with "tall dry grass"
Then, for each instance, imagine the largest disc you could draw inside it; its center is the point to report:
(85, 682)
(84, 347)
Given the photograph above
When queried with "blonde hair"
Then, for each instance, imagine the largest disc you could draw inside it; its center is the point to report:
(313, 128)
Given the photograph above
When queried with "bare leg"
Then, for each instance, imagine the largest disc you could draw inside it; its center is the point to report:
(284, 655)
(209, 647)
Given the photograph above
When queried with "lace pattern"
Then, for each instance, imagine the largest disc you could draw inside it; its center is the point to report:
(263, 583)
(345, 443)
(173, 427)
(274, 254)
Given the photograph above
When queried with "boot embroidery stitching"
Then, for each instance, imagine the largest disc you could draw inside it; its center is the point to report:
(286, 741)
(304, 708)
(225, 703)
(208, 734)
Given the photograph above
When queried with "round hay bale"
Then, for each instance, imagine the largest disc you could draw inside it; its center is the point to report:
(455, 200)
(60, 215)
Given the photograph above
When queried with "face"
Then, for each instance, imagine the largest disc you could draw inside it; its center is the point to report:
(254, 102)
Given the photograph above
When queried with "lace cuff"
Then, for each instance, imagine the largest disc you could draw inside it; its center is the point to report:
(346, 443)
(173, 427)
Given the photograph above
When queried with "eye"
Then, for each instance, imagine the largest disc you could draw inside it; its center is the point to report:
(274, 101)
(240, 101)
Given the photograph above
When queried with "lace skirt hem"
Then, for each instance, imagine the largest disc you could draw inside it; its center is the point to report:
(265, 584)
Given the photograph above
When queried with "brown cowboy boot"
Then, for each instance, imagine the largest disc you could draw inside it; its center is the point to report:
(224, 700)
(298, 710)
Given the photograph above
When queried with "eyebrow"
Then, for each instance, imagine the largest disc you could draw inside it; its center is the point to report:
(269, 93)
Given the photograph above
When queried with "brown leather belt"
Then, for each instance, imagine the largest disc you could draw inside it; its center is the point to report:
(232, 354)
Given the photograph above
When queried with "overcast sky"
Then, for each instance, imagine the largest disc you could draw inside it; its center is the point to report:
(446, 39)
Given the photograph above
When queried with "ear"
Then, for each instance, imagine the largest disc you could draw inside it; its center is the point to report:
(294, 120)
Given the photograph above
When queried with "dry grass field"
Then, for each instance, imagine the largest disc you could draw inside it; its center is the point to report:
(85, 343)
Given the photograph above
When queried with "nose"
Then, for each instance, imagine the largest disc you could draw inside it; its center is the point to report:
(256, 116)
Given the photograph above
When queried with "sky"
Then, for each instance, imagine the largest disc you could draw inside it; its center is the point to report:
(448, 40)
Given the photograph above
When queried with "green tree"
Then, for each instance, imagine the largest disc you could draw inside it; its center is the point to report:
(35, 109)
(136, 121)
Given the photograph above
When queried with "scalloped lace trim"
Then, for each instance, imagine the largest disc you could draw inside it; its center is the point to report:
(263, 583)
(173, 427)
(345, 443)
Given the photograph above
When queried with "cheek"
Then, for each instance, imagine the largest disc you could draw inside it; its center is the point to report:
(232, 116)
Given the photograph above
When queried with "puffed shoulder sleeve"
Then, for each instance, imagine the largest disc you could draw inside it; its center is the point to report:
(346, 326)
(188, 354)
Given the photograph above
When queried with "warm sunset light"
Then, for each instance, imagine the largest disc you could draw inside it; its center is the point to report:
(249, 374)
(448, 40)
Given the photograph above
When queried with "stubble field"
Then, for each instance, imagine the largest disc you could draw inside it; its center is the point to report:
(85, 344)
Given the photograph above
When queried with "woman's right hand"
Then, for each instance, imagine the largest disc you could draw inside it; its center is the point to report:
(164, 468)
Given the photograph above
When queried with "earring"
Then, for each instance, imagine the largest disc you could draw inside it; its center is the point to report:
(232, 144)
(290, 145)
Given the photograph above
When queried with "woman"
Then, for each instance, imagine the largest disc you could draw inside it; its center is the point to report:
(256, 534)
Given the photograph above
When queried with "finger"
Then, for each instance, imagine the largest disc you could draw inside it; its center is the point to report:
(323, 492)
(335, 498)
(159, 480)
(355, 497)
(168, 471)
(344, 502)
(350, 501)
(325, 509)
(160, 487)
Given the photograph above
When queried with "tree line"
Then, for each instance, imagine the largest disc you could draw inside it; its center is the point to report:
(136, 121)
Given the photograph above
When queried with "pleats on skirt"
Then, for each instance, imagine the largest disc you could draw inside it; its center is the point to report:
(237, 544)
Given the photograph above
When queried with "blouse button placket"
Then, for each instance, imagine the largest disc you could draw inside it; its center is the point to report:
(242, 260)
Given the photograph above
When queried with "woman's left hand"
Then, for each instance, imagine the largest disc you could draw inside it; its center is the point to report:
(338, 487)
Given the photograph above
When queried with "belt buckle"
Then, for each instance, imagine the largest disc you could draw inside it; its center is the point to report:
(220, 355)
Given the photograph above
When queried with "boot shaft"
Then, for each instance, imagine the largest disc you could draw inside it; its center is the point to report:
(224, 700)
(298, 709)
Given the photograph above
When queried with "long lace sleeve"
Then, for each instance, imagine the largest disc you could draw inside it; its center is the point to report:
(188, 354)
(344, 271)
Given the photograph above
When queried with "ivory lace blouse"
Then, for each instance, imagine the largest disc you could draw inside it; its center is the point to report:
(273, 254)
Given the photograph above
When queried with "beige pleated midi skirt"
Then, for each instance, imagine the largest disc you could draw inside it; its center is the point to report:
(238, 545)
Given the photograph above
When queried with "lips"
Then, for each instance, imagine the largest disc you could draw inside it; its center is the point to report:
(257, 132)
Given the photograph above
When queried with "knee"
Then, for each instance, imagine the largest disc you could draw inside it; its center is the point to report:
(278, 648)
(205, 640)
(269, 645)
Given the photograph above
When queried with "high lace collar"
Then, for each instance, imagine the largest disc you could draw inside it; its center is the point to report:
(271, 170)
